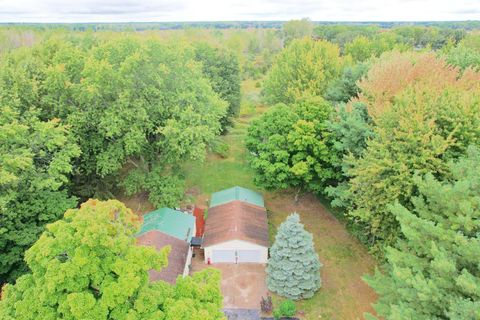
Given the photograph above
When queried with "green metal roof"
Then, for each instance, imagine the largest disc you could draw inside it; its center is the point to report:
(172, 222)
(236, 193)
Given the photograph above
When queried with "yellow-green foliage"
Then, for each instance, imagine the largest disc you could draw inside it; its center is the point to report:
(87, 266)
(422, 122)
(304, 68)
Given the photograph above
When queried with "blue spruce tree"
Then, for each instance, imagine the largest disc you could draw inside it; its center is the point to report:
(293, 269)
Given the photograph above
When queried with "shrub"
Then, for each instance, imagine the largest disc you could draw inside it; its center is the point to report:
(286, 309)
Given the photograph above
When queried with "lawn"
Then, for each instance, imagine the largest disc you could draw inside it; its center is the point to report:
(343, 294)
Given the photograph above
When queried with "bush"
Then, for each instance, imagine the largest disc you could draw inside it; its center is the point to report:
(220, 148)
(286, 309)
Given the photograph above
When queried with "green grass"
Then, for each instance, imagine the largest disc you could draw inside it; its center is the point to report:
(343, 295)
(217, 173)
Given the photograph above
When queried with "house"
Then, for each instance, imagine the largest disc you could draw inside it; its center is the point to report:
(236, 229)
(168, 227)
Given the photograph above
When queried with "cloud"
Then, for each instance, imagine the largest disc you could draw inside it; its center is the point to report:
(223, 10)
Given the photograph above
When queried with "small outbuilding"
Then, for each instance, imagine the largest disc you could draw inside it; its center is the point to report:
(236, 229)
(168, 227)
(237, 193)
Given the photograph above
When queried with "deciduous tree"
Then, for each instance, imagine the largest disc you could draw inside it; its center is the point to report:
(87, 266)
(290, 146)
(35, 163)
(304, 68)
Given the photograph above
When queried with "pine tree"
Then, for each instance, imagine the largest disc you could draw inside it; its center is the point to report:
(293, 269)
(434, 273)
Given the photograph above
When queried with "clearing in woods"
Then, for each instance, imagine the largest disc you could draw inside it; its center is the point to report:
(343, 295)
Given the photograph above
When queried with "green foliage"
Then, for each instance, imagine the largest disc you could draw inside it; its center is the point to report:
(125, 99)
(304, 68)
(466, 54)
(290, 146)
(87, 266)
(344, 88)
(220, 147)
(297, 29)
(420, 133)
(363, 48)
(287, 308)
(35, 162)
(293, 269)
(223, 71)
(351, 129)
(434, 273)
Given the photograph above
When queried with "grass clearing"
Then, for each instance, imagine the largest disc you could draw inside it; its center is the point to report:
(343, 295)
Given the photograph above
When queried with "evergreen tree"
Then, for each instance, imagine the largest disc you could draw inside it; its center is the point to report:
(434, 273)
(293, 269)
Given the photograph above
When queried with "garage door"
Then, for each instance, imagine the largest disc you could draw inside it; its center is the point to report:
(249, 256)
(223, 256)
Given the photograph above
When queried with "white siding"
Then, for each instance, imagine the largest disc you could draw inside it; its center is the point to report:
(237, 245)
(186, 270)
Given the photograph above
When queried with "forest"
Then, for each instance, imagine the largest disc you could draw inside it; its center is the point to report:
(379, 123)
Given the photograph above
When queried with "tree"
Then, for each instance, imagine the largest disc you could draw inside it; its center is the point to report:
(466, 54)
(223, 71)
(293, 269)
(360, 49)
(297, 29)
(35, 163)
(87, 266)
(351, 129)
(434, 273)
(420, 133)
(304, 68)
(127, 100)
(290, 146)
(344, 88)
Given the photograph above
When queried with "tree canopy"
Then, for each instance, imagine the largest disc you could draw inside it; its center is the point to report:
(304, 68)
(419, 127)
(433, 273)
(35, 162)
(290, 146)
(87, 266)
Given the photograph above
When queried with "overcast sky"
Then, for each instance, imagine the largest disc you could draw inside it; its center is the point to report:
(227, 10)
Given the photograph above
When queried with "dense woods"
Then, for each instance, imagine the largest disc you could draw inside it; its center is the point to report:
(382, 121)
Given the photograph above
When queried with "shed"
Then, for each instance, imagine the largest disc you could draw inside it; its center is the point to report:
(236, 232)
(234, 194)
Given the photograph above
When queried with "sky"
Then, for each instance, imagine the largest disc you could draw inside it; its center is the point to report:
(236, 10)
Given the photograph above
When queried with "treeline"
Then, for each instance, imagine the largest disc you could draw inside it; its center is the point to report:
(142, 26)
(391, 135)
(83, 116)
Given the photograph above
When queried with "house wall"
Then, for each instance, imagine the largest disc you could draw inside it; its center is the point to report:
(186, 270)
(236, 245)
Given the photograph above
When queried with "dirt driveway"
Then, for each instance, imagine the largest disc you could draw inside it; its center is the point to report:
(243, 285)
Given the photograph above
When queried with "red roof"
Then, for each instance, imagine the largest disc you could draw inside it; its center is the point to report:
(199, 221)
(236, 220)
